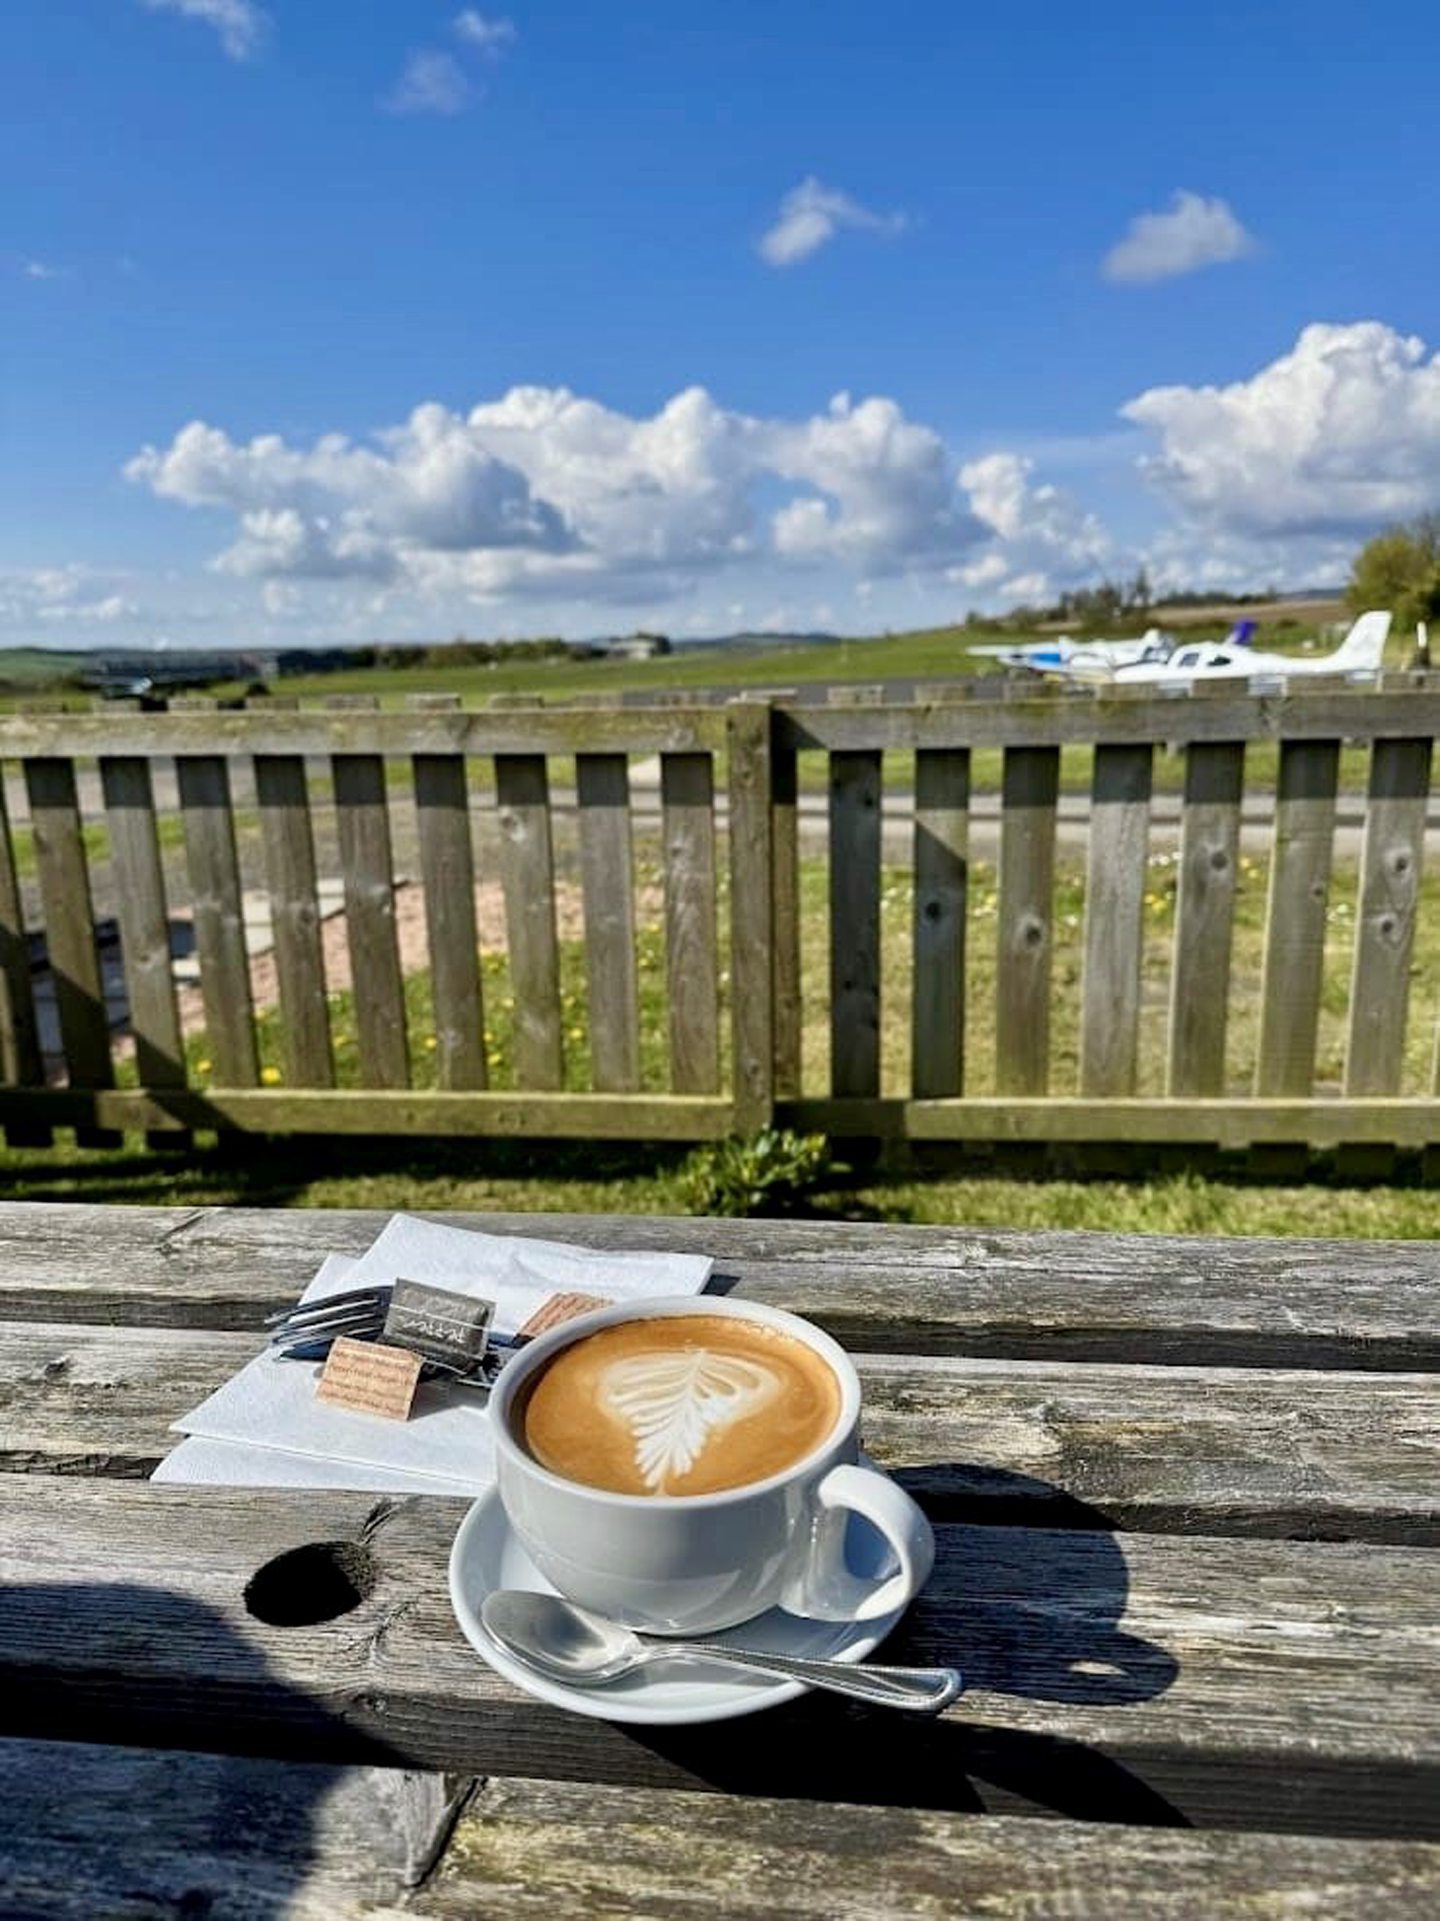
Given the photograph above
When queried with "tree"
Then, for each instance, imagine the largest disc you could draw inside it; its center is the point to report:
(1399, 569)
(1138, 594)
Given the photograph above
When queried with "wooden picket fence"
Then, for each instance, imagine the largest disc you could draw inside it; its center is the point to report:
(729, 864)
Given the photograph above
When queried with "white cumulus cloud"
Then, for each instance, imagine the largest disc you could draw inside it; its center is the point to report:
(41, 599)
(1195, 232)
(492, 34)
(241, 25)
(886, 495)
(1337, 436)
(543, 490)
(430, 82)
(1041, 539)
(812, 214)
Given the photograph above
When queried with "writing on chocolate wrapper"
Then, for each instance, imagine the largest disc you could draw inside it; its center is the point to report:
(452, 1329)
(368, 1378)
(561, 1307)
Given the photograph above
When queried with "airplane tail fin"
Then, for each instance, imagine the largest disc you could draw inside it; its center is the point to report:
(1363, 647)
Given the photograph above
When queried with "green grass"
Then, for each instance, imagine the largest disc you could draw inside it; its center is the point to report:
(933, 655)
(595, 1178)
(95, 837)
(925, 654)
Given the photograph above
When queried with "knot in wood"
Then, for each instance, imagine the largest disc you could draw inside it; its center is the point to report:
(317, 1582)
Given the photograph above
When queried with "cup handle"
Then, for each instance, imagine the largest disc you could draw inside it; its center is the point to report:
(824, 1588)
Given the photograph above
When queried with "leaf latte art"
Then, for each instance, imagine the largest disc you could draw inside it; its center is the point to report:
(679, 1404)
(674, 1402)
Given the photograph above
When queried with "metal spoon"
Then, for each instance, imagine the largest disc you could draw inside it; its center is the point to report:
(570, 1645)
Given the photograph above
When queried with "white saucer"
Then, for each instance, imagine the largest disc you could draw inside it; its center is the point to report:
(486, 1556)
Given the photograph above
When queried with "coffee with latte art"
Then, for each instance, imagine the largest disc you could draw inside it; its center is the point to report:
(679, 1404)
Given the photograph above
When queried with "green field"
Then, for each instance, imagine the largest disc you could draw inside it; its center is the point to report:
(925, 654)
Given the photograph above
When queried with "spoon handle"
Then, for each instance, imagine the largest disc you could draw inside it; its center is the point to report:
(923, 1690)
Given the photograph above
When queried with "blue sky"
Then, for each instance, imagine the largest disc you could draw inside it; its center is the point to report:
(713, 317)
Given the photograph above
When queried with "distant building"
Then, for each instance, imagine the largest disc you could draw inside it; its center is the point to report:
(639, 646)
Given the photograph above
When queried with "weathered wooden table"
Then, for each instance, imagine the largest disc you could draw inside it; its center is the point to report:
(1187, 1501)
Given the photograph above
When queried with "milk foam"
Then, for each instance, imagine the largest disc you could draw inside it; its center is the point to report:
(675, 1404)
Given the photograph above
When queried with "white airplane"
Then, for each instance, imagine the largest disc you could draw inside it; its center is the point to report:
(1358, 657)
(1068, 659)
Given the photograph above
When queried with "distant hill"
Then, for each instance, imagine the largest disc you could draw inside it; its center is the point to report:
(757, 641)
(1317, 609)
(39, 666)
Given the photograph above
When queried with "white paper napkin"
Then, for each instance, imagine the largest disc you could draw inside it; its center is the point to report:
(269, 1410)
(198, 1462)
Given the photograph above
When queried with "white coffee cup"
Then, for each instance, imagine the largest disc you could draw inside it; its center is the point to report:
(696, 1563)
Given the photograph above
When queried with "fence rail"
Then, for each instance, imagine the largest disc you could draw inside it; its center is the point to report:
(659, 954)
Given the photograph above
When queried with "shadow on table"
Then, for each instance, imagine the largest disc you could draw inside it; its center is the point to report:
(1030, 1612)
(120, 1825)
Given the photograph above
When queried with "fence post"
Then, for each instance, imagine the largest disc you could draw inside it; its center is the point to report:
(749, 728)
(70, 931)
(21, 1063)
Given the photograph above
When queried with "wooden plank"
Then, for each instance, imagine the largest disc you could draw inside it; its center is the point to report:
(1230, 1124)
(543, 1848)
(752, 920)
(447, 868)
(527, 875)
(1205, 918)
(318, 1841)
(878, 1286)
(21, 1064)
(1390, 867)
(204, 783)
(855, 824)
(88, 1830)
(285, 827)
(363, 818)
(1282, 1685)
(1114, 920)
(786, 988)
(937, 1031)
(692, 943)
(144, 921)
(358, 1110)
(1241, 1123)
(1030, 788)
(1043, 720)
(1295, 916)
(70, 931)
(607, 884)
(364, 729)
(1035, 721)
(1180, 1450)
